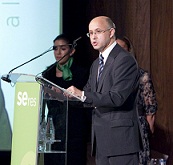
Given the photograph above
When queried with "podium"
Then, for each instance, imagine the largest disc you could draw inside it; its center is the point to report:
(30, 91)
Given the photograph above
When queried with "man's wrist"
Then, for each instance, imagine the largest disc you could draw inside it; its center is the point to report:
(83, 97)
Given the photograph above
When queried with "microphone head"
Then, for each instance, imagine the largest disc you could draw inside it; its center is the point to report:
(75, 42)
(54, 48)
(6, 78)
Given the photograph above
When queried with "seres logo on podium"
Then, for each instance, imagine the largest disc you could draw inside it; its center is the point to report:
(23, 99)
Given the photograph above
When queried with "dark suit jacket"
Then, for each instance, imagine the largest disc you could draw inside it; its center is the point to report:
(114, 125)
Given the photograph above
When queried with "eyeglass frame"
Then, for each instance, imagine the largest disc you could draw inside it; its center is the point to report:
(98, 31)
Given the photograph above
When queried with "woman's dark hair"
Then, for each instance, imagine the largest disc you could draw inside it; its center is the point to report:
(65, 37)
(128, 43)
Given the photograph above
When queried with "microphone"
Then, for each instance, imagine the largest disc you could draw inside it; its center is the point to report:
(7, 77)
(52, 65)
(75, 42)
(38, 78)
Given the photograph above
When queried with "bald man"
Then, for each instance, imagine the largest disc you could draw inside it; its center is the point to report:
(112, 94)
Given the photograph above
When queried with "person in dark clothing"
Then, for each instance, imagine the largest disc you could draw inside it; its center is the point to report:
(66, 72)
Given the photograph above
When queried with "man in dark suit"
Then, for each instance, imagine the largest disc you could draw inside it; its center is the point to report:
(112, 89)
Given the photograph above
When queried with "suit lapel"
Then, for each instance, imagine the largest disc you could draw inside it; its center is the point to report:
(108, 66)
(95, 72)
(106, 70)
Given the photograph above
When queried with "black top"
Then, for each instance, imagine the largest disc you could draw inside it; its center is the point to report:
(80, 76)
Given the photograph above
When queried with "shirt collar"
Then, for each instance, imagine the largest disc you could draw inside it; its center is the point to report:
(106, 53)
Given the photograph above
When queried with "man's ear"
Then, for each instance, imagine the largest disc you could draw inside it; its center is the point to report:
(112, 32)
(72, 51)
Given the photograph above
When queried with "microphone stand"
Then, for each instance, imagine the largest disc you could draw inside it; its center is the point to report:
(7, 79)
(37, 77)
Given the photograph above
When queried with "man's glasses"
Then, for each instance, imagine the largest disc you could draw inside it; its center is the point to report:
(97, 32)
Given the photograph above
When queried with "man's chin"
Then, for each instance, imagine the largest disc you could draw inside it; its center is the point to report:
(96, 47)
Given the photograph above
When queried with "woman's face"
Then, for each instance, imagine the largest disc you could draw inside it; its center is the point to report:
(62, 50)
(122, 44)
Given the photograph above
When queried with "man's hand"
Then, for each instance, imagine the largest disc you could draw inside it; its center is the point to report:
(73, 90)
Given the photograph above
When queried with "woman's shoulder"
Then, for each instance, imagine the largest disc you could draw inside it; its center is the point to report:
(49, 70)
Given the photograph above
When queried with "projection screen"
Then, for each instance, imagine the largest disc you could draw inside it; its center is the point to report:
(27, 29)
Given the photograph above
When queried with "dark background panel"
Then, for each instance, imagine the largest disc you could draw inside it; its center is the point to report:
(149, 25)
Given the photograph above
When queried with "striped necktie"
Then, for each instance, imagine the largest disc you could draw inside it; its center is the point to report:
(101, 66)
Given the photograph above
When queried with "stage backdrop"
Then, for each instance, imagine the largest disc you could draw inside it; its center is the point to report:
(27, 29)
